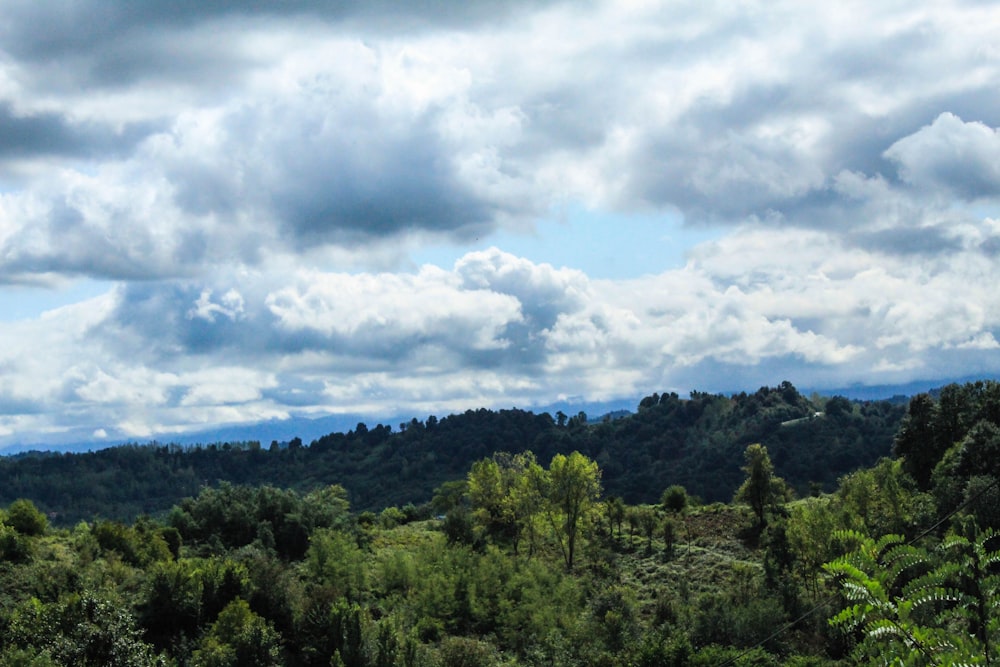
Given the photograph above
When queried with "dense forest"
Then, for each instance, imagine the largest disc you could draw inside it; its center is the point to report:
(697, 443)
(532, 559)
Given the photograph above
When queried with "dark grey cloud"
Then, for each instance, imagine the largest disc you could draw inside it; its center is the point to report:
(364, 180)
(112, 243)
(343, 157)
(118, 43)
(927, 241)
(329, 174)
(46, 134)
(162, 321)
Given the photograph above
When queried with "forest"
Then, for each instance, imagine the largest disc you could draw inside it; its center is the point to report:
(758, 529)
(697, 443)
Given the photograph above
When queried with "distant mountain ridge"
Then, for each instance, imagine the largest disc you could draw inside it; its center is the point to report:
(284, 430)
(697, 442)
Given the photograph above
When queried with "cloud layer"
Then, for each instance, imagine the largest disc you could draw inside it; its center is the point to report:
(253, 179)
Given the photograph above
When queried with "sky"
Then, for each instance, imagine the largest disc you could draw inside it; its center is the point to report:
(217, 213)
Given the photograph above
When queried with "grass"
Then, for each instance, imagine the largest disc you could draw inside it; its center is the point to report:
(708, 556)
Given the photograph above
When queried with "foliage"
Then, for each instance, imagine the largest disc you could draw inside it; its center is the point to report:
(85, 629)
(513, 563)
(25, 518)
(762, 489)
(238, 638)
(924, 608)
(674, 499)
(693, 442)
(573, 488)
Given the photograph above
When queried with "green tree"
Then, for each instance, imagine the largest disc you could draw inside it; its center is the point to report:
(170, 605)
(239, 638)
(14, 547)
(634, 521)
(335, 562)
(979, 452)
(918, 441)
(615, 508)
(25, 518)
(810, 535)
(465, 652)
(647, 521)
(668, 529)
(883, 499)
(574, 488)
(762, 489)
(674, 499)
(506, 494)
(88, 630)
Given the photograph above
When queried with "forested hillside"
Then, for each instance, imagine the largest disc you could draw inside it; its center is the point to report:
(696, 443)
(531, 561)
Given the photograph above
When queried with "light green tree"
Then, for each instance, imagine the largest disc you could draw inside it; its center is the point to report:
(25, 518)
(506, 493)
(239, 637)
(573, 490)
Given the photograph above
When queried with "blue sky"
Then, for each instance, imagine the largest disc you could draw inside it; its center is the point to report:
(602, 244)
(213, 215)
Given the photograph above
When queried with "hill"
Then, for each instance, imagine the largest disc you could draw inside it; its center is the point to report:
(696, 442)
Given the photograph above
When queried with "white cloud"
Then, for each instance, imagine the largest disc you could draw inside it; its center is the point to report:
(501, 330)
(255, 178)
(230, 305)
(389, 309)
(961, 158)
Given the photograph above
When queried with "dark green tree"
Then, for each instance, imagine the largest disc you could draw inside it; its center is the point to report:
(917, 440)
(25, 518)
(674, 499)
(762, 489)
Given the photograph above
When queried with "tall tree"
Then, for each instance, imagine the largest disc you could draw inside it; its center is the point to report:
(506, 494)
(574, 488)
(761, 489)
(916, 441)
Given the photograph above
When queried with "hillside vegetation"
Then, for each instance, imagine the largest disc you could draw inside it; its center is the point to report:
(697, 443)
(525, 560)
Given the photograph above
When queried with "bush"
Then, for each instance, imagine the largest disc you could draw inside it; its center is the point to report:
(674, 499)
(24, 517)
(14, 547)
(465, 652)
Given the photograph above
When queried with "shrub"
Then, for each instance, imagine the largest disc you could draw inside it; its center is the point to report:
(24, 517)
(674, 499)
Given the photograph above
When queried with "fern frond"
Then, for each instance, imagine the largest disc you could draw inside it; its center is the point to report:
(850, 617)
(858, 592)
(903, 557)
(932, 595)
(953, 541)
(883, 627)
(989, 559)
(885, 543)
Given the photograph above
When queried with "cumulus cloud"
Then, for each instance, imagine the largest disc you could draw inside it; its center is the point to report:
(496, 330)
(255, 179)
(960, 158)
(392, 314)
(339, 127)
